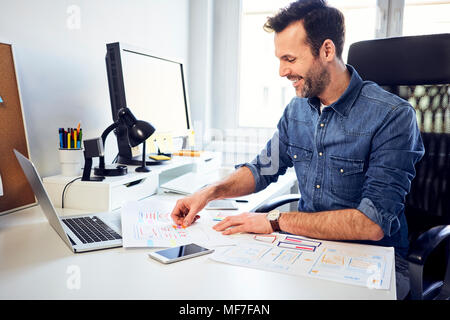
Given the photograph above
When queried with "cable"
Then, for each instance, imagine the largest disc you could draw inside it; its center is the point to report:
(64, 190)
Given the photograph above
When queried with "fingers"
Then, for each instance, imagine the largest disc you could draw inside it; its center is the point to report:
(245, 222)
(237, 229)
(191, 217)
(179, 212)
(227, 222)
(231, 221)
(183, 213)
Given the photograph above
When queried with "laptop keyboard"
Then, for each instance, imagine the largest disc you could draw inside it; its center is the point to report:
(91, 229)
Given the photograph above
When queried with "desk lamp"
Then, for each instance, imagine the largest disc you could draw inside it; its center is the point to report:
(137, 131)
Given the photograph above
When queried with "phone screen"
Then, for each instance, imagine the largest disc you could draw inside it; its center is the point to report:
(181, 251)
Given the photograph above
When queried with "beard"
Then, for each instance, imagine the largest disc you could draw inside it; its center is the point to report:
(316, 80)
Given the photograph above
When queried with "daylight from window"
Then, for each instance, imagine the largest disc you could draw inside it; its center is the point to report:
(263, 94)
(426, 17)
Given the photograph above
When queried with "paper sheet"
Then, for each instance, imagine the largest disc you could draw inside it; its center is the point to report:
(148, 223)
(349, 263)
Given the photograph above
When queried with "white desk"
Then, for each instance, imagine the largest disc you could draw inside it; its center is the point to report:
(36, 264)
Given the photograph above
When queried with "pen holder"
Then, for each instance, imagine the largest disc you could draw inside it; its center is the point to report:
(71, 160)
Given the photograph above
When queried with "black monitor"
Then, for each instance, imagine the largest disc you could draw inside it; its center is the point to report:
(153, 88)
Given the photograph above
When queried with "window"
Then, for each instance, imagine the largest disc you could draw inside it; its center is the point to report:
(263, 93)
(426, 17)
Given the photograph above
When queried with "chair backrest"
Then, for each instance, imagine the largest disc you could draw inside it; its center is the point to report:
(417, 68)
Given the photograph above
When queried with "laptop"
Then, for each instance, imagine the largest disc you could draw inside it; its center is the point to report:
(82, 232)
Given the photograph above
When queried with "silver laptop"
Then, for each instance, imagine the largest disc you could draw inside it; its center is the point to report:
(81, 233)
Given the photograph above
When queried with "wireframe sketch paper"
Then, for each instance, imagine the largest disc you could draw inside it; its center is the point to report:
(361, 265)
(148, 223)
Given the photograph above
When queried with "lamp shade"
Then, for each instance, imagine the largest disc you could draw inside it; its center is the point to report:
(139, 132)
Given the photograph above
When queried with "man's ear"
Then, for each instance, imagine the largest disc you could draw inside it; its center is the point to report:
(328, 50)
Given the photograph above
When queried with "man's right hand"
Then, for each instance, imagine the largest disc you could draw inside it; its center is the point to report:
(239, 183)
(186, 209)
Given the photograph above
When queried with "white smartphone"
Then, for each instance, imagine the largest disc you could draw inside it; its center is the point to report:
(179, 253)
(221, 205)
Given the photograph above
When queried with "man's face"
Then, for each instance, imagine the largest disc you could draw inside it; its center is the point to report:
(297, 63)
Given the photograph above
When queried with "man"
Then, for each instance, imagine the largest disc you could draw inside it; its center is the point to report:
(352, 144)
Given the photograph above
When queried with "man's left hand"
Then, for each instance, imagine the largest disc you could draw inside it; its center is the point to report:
(245, 222)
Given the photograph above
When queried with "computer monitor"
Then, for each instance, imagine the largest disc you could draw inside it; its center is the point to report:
(153, 88)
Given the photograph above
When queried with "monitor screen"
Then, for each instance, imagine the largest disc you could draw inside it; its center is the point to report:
(154, 91)
(153, 88)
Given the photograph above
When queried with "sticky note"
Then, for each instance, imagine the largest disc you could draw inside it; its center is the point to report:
(1, 99)
(159, 157)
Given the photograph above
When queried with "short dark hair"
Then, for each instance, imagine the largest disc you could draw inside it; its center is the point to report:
(320, 21)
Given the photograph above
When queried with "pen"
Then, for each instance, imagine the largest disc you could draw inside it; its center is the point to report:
(238, 200)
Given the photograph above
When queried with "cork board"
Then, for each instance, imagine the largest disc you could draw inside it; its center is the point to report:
(16, 191)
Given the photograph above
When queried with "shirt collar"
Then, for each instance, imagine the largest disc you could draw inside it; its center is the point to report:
(345, 102)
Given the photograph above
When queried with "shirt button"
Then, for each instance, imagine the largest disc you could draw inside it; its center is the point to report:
(342, 170)
(318, 186)
(322, 125)
(295, 156)
(320, 154)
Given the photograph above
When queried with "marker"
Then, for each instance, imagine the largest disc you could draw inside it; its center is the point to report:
(68, 139)
(61, 137)
(80, 137)
(75, 134)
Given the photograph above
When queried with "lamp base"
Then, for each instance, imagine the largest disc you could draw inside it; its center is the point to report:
(142, 169)
(137, 161)
(111, 171)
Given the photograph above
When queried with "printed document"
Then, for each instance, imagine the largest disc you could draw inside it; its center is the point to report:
(361, 265)
(148, 223)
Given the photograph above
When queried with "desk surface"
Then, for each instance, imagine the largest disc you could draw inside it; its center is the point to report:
(36, 264)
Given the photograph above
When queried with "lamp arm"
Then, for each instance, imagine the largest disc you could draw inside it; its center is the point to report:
(104, 136)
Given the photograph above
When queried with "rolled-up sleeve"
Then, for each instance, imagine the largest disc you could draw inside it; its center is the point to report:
(396, 148)
(273, 160)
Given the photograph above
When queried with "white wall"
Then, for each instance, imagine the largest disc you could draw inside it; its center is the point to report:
(61, 64)
(201, 30)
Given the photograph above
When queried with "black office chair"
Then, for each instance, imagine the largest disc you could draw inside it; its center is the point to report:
(417, 69)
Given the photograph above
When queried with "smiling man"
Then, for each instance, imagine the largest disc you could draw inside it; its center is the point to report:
(352, 144)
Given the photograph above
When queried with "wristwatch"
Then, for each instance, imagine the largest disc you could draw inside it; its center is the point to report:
(273, 217)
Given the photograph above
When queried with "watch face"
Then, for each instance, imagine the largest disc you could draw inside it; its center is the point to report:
(273, 215)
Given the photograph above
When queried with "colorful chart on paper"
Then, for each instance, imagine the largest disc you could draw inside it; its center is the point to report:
(148, 224)
(355, 264)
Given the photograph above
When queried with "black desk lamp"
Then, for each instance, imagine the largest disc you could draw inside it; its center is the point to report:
(138, 132)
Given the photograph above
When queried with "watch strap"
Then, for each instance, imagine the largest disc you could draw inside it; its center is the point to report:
(275, 225)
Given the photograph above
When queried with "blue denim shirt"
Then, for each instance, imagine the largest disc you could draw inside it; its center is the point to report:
(358, 153)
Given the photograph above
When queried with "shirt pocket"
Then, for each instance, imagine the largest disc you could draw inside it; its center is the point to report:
(346, 178)
(301, 158)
